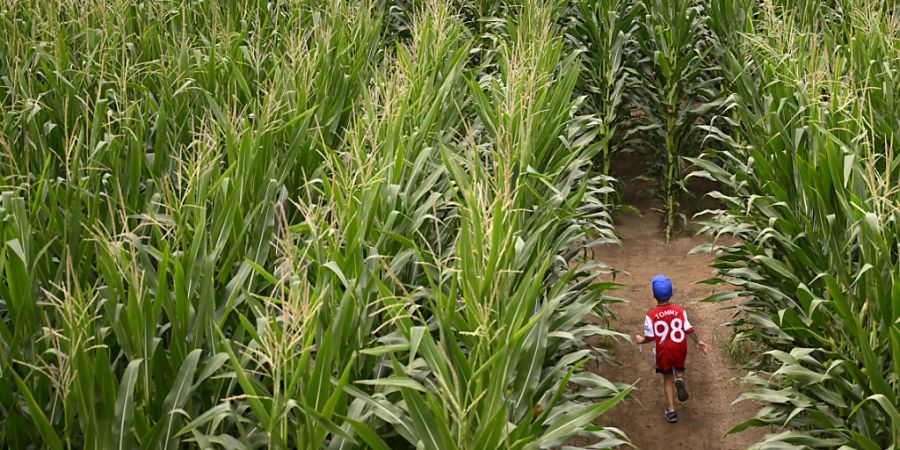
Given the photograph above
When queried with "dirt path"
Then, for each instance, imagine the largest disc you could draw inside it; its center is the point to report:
(711, 380)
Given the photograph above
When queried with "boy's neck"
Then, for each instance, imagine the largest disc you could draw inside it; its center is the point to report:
(663, 303)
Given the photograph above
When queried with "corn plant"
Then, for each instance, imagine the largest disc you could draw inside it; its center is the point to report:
(539, 179)
(679, 91)
(605, 31)
(474, 346)
(811, 193)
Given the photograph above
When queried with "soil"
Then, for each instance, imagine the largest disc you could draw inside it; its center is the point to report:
(712, 380)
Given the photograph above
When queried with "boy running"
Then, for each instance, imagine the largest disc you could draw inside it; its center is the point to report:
(667, 325)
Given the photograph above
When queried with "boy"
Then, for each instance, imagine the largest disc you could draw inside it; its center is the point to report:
(667, 325)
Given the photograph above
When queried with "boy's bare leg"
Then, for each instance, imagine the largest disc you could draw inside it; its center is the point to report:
(680, 386)
(669, 389)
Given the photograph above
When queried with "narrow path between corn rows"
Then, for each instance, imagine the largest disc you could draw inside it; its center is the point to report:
(712, 380)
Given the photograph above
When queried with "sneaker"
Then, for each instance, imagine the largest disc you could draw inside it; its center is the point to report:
(671, 416)
(682, 389)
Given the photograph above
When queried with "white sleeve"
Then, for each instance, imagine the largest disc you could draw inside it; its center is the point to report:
(648, 327)
(687, 324)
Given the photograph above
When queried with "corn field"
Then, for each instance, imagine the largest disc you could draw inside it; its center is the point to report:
(323, 224)
(810, 176)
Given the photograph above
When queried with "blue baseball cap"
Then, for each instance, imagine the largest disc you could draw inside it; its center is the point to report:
(662, 288)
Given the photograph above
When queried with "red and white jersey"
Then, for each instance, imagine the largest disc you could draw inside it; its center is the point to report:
(668, 325)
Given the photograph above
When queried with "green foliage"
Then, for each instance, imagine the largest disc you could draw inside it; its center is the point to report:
(330, 225)
(812, 197)
(299, 224)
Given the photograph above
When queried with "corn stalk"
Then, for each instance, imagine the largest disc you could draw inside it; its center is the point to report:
(678, 94)
(605, 30)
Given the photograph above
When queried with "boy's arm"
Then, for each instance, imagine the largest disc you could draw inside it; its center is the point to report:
(648, 332)
(702, 346)
(693, 334)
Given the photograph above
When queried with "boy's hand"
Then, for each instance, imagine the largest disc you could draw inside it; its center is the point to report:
(639, 339)
(703, 347)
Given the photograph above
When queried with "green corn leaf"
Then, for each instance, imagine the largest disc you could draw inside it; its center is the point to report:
(367, 434)
(51, 439)
(431, 429)
(567, 425)
(180, 392)
(125, 402)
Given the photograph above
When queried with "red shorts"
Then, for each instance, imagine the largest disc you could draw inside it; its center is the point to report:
(670, 359)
